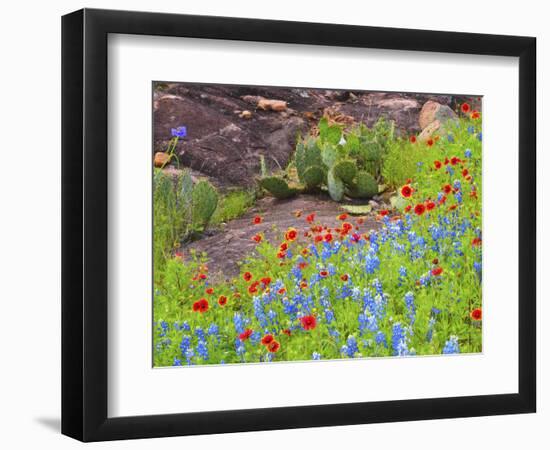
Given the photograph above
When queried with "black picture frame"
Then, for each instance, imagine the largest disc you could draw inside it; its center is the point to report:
(84, 224)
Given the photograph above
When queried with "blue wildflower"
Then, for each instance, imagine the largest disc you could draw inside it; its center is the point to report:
(179, 132)
(451, 346)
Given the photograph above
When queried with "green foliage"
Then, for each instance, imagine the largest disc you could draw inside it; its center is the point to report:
(400, 162)
(232, 205)
(171, 212)
(277, 187)
(329, 133)
(364, 186)
(263, 168)
(345, 170)
(204, 203)
(336, 187)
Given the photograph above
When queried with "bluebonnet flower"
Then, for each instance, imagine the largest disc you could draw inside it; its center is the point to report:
(179, 132)
(409, 302)
(199, 332)
(316, 356)
(238, 323)
(351, 348)
(477, 266)
(451, 346)
(399, 340)
(380, 339)
(202, 350)
(372, 262)
(479, 137)
(164, 327)
(450, 138)
(468, 153)
(471, 129)
(429, 333)
(213, 329)
(259, 311)
(177, 362)
(255, 337)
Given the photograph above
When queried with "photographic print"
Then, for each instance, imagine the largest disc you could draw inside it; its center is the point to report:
(308, 224)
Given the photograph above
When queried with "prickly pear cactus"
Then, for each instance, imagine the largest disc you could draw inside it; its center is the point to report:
(314, 176)
(345, 170)
(277, 187)
(308, 154)
(364, 186)
(335, 186)
(204, 203)
(329, 155)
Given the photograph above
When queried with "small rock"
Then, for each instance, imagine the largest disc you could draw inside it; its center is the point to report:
(272, 105)
(373, 204)
(429, 130)
(161, 159)
(245, 115)
(432, 111)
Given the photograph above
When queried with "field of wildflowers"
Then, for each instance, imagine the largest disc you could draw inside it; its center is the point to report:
(412, 286)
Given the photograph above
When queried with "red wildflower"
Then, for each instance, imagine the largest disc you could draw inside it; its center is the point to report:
(475, 114)
(355, 237)
(343, 216)
(323, 273)
(268, 338)
(302, 265)
(257, 238)
(447, 189)
(347, 227)
(178, 255)
(412, 139)
(419, 209)
(384, 212)
(247, 276)
(281, 255)
(344, 277)
(452, 207)
(287, 332)
(430, 142)
(476, 242)
(442, 200)
(245, 334)
(303, 284)
(465, 172)
(308, 322)
(455, 160)
(281, 291)
(222, 300)
(328, 237)
(266, 281)
(476, 314)
(305, 252)
(202, 276)
(437, 164)
(210, 291)
(253, 288)
(273, 346)
(201, 306)
(310, 218)
(465, 108)
(430, 205)
(436, 271)
(408, 208)
(291, 234)
(257, 220)
(318, 238)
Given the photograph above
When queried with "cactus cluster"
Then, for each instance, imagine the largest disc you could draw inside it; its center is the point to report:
(344, 164)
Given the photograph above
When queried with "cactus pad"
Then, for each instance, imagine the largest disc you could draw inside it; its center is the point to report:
(204, 202)
(277, 187)
(345, 170)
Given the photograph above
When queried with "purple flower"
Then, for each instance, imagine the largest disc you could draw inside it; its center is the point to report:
(179, 132)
